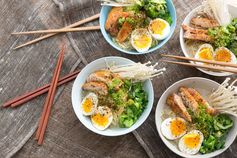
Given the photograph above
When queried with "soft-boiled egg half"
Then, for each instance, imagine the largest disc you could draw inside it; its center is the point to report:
(224, 55)
(102, 118)
(89, 104)
(159, 29)
(205, 52)
(191, 142)
(173, 128)
(141, 40)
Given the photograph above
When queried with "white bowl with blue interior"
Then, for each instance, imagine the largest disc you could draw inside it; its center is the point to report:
(77, 96)
(103, 16)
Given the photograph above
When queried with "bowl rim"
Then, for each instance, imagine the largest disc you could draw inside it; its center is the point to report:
(165, 141)
(151, 50)
(126, 130)
(183, 46)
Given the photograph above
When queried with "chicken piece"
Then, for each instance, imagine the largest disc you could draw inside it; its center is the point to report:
(204, 22)
(197, 96)
(100, 76)
(188, 99)
(176, 104)
(124, 32)
(111, 24)
(199, 37)
(97, 87)
(196, 34)
(194, 30)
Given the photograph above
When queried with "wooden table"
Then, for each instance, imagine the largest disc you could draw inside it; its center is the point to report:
(28, 68)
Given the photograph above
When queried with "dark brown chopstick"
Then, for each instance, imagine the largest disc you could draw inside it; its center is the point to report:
(200, 60)
(203, 66)
(39, 91)
(49, 100)
(96, 16)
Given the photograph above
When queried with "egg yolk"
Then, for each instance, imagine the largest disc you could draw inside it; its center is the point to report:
(192, 140)
(206, 54)
(142, 42)
(158, 27)
(100, 119)
(223, 55)
(87, 105)
(177, 127)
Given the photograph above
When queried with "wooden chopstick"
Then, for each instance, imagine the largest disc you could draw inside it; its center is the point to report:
(115, 4)
(49, 100)
(30, 97)
(96, 16)
(203, 66)
(200, 60)
(39, 91)
(88, 28)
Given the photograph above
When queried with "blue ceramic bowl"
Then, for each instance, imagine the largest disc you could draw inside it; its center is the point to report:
(103, 16)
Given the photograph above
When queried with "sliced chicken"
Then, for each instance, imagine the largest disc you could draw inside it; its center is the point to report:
(124, 32)
(194, 30)
(204, 22)
(111, 24)
(196, 34)
(197, 96)
(97, 87)
(188, 99)
(176, 104)
(100, 76)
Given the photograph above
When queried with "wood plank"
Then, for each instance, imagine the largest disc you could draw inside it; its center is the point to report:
(31, 67)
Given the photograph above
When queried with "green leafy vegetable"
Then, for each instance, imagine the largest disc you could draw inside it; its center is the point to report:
(116, 82)
(157, 9)
(137, 101)
(121, 20)
(222, 122)
(152, 8)
(225, 36)
(214, 129)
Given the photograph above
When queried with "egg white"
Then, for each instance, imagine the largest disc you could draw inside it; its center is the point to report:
(165, 32)
(93, 97)
(187, 150)
(166, 130)
(136, 34)
(104, 111)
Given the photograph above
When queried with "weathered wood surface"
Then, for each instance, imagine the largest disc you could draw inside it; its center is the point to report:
(30, 67)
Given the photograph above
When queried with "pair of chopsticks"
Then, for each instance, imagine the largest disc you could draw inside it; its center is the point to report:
(49, 100)
(15, 102)
(51, 89)
(52, 32)
(216, 66)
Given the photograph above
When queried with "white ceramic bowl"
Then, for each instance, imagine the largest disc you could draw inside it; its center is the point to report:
(204, 86)
(77, 96)
(186, 21)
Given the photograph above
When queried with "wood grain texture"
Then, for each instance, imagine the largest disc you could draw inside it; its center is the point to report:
(30, 67)
(147, 134)
(67, 137)
(27, 68)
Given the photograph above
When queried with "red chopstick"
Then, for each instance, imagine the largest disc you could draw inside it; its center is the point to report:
(31, 95)
(49, 100)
